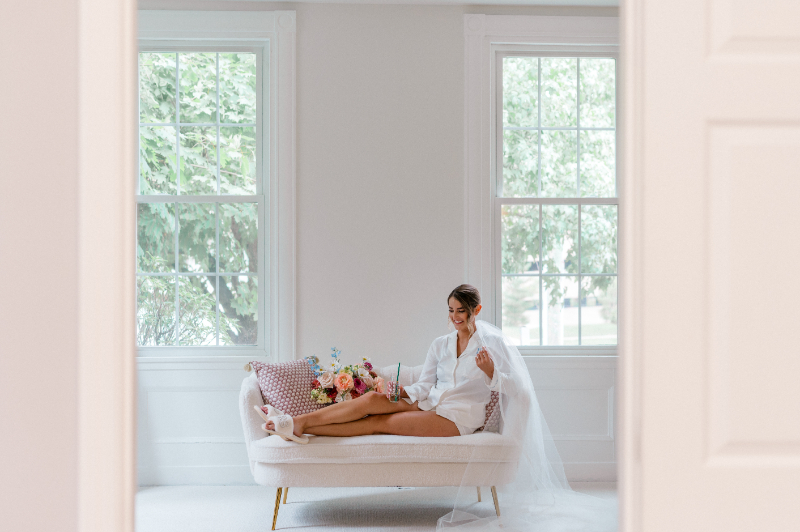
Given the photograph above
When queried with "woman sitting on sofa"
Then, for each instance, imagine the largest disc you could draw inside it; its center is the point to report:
(448, 400)
(460, 371)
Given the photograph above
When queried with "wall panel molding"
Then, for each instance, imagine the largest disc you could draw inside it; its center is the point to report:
(739, 29)
(174, 448)
(752, 168)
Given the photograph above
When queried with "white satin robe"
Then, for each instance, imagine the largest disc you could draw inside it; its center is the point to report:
(455, 387)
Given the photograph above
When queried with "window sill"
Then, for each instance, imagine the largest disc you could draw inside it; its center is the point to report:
(573, 351)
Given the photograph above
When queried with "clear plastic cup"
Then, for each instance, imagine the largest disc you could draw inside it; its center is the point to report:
(393, 391)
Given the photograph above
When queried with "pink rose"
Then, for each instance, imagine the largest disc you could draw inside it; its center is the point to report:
(368, 381)
(359, 386)
(380, 387)
(343, 382)
(325, 379)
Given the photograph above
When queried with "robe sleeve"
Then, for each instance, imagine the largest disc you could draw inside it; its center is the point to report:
(419, 390)
(502, 380)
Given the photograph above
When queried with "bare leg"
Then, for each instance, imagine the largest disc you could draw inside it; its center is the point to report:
(410, 423)
(368, 404)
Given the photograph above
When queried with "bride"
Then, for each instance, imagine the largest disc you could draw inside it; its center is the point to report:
(448, 400)
(460, 372)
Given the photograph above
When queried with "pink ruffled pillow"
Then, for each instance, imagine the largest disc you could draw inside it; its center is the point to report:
(287, 386)
(491, 423)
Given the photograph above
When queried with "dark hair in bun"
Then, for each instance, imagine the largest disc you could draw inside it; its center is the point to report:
(467, 295)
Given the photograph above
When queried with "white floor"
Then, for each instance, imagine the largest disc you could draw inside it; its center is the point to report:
(250, 508)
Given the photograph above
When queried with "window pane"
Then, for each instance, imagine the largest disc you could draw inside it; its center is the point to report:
(197, 242)
(155, 237)
(599, 310)
(238, 237)
(520, 163)
(157, 88)
(598, 92)
(560, 306)
(598, 164)
(198, 160)
(238, 303)
(157, 156)
(599, 239)
(521, 309)
(155, 312)
(520, 91)
(559, 91)
(520, 240)
(197, 310)
(559, 238)
(237, 153)
(237, 88)
(559, 164)
(198, 82)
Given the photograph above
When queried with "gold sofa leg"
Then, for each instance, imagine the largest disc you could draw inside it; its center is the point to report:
(479, 494)
(277, 506)
(496, 505)
(285, 494)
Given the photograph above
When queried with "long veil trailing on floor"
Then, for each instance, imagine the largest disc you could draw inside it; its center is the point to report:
(536, 496)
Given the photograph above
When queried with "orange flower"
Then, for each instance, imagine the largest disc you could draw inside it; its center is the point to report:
(343, 382)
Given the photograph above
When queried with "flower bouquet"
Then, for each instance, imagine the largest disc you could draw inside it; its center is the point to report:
(338, 383)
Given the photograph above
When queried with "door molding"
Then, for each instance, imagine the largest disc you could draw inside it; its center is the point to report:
(629, 374)
(107, 132)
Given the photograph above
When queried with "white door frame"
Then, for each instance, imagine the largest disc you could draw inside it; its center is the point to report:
(107, 95)
(629, 296)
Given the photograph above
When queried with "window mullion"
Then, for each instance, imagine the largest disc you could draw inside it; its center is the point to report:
(580, 279)
(216, 277)
(580, 208)
(578, 120)
(177, 276)
(216, 209)
(178, 192)
(219, 190)
(539, 140)
(177, 125)
(541, 284)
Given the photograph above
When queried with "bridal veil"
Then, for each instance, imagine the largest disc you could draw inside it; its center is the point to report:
(537, 496)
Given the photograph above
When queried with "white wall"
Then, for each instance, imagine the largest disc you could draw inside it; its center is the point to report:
(379, 235)
(38, 263)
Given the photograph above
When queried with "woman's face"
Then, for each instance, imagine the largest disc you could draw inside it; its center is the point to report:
(458, 315)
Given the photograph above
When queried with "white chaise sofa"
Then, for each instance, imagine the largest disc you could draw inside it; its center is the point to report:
(384, 460)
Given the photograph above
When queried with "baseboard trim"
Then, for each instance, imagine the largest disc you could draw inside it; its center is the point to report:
(227, 475)
(591, 471)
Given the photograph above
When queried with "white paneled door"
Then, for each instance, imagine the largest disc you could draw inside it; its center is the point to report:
(711, 303)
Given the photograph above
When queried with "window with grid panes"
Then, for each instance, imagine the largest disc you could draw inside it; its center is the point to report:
(200, 201)
(557, 200)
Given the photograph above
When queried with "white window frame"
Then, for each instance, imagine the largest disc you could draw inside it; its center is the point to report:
(487, 38)
(272, 36)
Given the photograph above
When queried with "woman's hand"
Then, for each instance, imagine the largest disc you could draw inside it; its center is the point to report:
(485, 362)
(390, 391)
